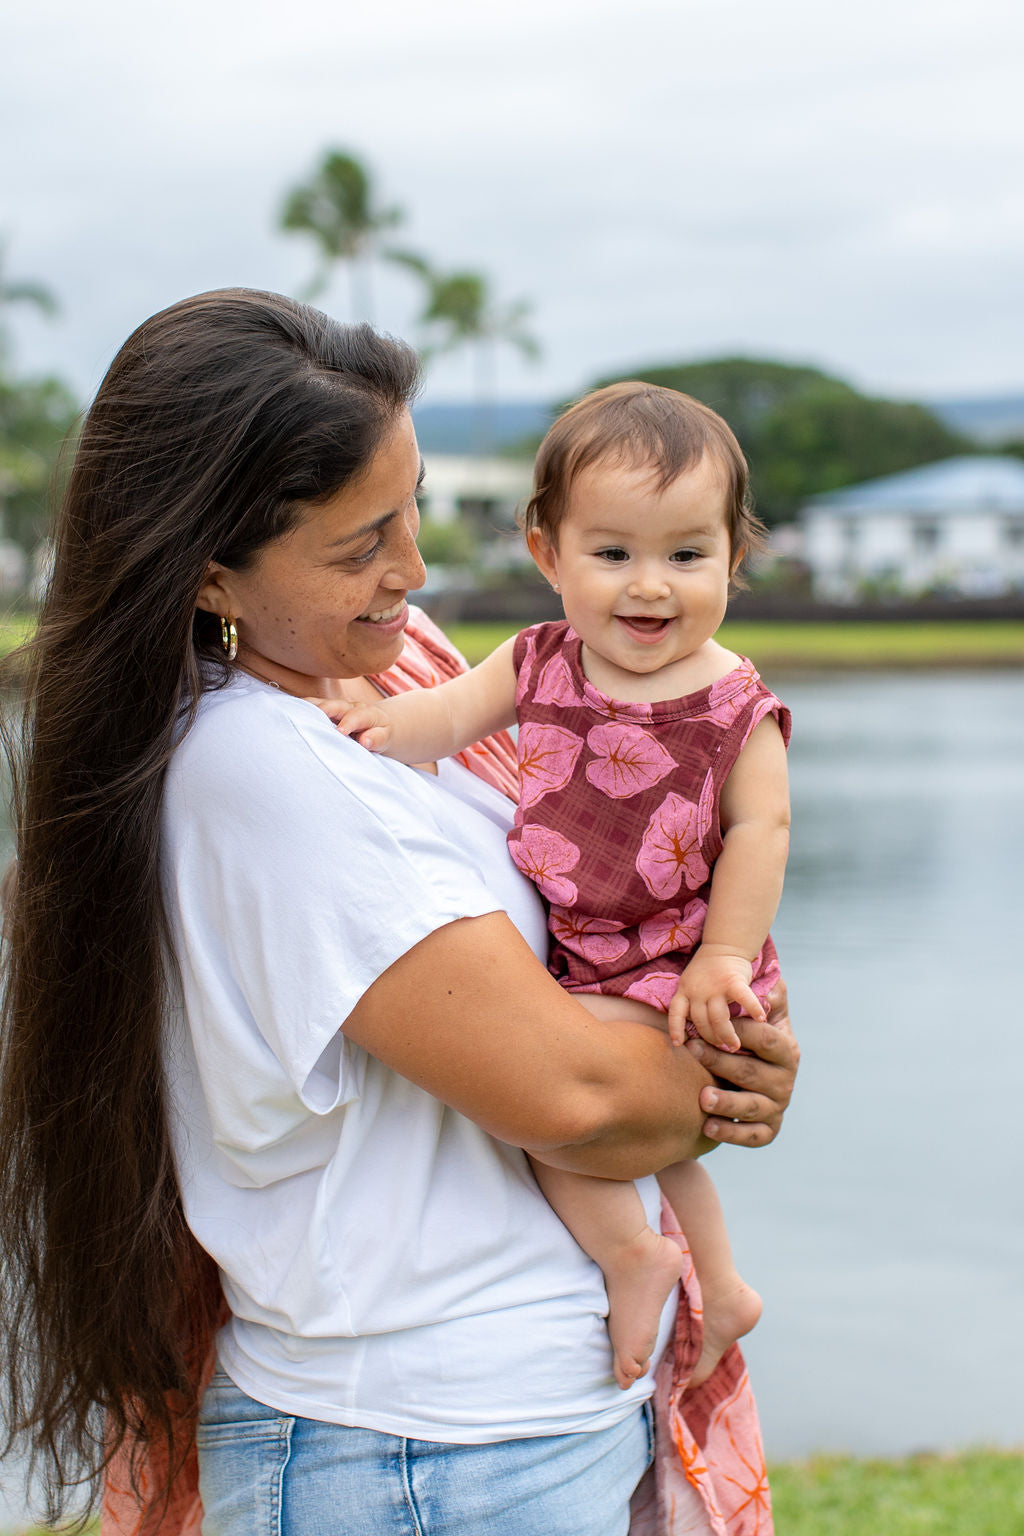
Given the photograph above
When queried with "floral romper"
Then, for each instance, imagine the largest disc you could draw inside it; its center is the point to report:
(618, 819)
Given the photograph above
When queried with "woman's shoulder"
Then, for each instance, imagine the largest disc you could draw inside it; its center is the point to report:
(242, 714)
(250, 740)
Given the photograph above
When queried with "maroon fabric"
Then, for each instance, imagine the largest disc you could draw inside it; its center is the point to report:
(618, 821)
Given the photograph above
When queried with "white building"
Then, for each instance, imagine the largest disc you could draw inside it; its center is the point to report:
(956, 526)
(485, 490)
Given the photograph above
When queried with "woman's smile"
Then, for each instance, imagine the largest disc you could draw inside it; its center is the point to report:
(326, 601)
(393, 619)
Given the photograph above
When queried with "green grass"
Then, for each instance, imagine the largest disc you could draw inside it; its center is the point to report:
(832, 645)
(977, 1493)
(14, 629)
(975, 644)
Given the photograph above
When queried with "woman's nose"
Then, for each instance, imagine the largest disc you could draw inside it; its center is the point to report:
(407, 568)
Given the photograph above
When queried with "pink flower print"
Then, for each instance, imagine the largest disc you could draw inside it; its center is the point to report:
(656, 989)
(547, 757)
(757, 714)
(621, 709)
(728, 695)
(673, 930)
(526, 669)
(766, 976)
(671, 849)
(544, 857)
(555, 684)
(627, 760)
(596, 939)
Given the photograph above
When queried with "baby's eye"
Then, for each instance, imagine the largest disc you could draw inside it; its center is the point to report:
(685, 556)
(614, 556)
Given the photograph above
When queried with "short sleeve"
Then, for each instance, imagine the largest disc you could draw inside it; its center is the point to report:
(298, 868)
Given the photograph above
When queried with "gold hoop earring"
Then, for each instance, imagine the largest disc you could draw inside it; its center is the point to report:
(229, 638)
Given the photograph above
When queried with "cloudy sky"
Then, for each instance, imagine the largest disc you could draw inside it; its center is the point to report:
(833, 183)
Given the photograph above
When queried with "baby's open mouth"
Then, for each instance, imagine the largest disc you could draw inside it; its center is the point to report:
(644, 624)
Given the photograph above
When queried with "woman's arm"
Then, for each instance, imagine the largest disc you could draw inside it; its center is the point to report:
(471, 1016)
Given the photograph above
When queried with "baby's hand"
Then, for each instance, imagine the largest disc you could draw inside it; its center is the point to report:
(713, 979)
(366, 723)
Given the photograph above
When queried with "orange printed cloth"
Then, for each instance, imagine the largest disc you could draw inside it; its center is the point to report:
(708, 1477)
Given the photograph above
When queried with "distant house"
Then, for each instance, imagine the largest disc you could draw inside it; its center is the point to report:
(956, 526)
(484, 493)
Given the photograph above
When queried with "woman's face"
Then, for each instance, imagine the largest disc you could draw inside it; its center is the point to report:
(326, 601)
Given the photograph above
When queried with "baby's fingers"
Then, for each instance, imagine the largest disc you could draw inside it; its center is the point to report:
(375, 738)
(748, 1001)
(363, 723)
(678, 1013)
(718, 1026)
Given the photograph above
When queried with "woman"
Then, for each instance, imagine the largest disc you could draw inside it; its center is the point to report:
(271, 993)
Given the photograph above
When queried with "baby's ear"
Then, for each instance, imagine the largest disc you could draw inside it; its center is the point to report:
(544, 554)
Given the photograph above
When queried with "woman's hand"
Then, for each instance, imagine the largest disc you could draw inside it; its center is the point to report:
(747, 1102)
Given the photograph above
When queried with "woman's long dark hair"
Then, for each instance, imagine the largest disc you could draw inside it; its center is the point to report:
(218, 419)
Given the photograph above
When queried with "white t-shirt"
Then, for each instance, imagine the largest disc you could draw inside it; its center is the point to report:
(387, 1264)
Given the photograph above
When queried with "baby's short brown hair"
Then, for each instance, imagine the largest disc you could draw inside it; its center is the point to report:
(640, 424)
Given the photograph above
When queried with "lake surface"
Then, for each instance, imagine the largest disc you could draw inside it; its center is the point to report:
(885, 1227)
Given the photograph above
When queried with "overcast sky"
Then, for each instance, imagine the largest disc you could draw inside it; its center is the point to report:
(834, 183)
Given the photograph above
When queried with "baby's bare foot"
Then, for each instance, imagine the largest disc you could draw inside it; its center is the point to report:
(729, 1313)
(639, 1281)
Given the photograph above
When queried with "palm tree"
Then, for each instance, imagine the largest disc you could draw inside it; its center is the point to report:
(337, 207)
(460, 311)
(15, 291)
(35, 414)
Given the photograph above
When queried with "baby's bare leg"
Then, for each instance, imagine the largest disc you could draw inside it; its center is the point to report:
(640, 1266)
(603, 1007)
(730, 1307)
(607, 1219)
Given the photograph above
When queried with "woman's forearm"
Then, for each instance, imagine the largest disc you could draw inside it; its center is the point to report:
(471, 1016)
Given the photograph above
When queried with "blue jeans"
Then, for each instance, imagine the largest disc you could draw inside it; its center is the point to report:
(265, 1473)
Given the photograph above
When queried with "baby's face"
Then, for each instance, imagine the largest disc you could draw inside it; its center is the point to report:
(643, 573)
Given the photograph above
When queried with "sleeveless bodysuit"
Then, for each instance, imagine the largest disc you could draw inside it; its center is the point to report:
(618, 819)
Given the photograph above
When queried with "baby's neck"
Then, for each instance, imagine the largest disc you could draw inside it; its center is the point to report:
(685, 675)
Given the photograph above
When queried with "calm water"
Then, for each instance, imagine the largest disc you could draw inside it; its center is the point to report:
(884, 1228)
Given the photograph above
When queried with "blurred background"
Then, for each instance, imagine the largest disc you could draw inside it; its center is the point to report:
(811, 217)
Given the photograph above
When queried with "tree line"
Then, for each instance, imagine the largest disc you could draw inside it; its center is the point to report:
(804, 431)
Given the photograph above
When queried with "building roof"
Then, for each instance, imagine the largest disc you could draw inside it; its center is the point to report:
(972, 483)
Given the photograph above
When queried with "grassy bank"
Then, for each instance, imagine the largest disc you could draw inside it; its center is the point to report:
(774, 646)
(977, 1493)
(974, 644)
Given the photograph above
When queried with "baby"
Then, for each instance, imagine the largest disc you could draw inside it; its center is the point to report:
(654, 811)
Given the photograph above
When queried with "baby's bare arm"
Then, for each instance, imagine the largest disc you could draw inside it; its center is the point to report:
(745, 890)
(428, 723)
